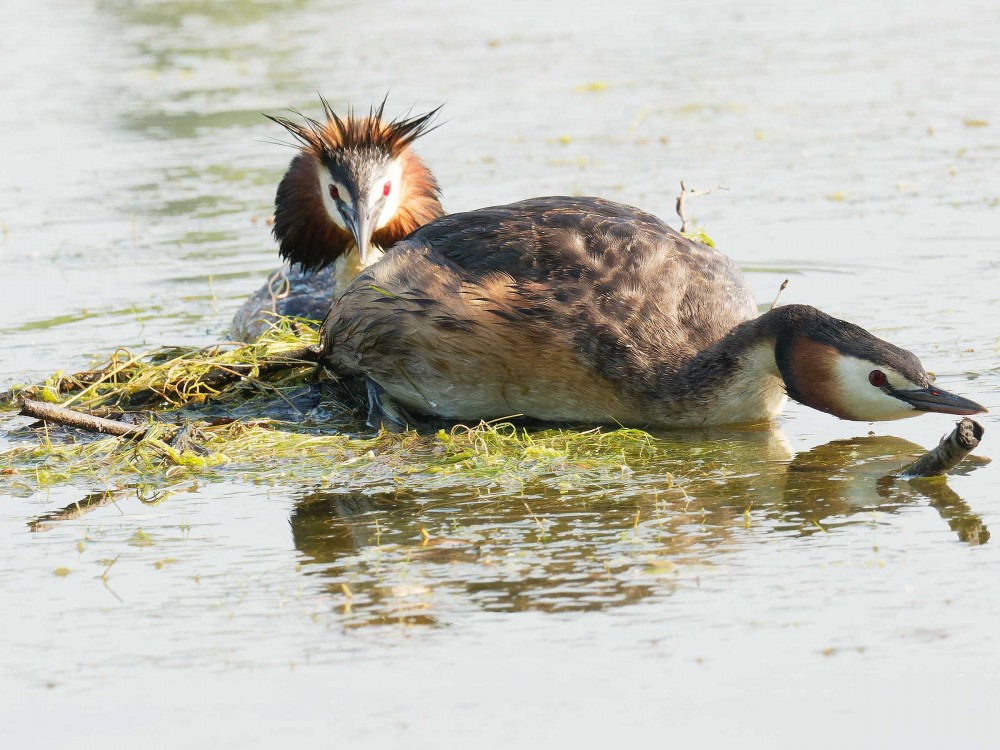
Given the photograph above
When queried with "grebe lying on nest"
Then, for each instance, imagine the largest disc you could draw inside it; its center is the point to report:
(584, 310)
(356, 186)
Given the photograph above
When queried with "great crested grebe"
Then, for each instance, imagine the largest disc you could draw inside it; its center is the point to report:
(355, 186)
(584, 310)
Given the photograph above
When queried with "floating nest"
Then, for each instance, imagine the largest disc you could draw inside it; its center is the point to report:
(263, 412)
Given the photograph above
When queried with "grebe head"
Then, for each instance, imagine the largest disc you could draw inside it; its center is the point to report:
(354, 182)
(842, 369)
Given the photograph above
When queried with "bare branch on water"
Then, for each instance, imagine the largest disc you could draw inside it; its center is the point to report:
(952, 449)
(690, 193)
(778, 295)
(71, 418)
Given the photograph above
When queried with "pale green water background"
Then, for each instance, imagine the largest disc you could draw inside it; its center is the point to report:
(861, 146)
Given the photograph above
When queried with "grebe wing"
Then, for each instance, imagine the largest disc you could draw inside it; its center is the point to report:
(554, 283)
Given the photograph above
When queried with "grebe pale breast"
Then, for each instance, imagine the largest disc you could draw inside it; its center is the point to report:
(585, 310)
(355, 186)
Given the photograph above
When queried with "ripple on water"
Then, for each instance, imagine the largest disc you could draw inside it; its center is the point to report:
(775, 571)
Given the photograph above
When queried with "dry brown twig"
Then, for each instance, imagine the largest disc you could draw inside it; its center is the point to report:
(778, 295)
(72, 418)
(222, 377)
(690, 193)
(952, 449)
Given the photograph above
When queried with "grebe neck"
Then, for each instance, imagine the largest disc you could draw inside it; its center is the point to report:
(348, 266)
(735, 380)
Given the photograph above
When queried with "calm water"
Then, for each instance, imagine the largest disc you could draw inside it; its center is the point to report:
(787, 597)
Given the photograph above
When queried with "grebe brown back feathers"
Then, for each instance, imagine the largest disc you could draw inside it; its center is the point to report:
(355, 186)
(584, 310)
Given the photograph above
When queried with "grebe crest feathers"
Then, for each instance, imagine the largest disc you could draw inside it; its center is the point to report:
(356, 182)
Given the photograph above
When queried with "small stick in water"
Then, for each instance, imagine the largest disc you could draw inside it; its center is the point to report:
(953, 447)
(72, 418)
(778, 295)
(681, 208)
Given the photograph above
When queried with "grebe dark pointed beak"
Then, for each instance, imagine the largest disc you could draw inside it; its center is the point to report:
(362, 224)
(934, 399)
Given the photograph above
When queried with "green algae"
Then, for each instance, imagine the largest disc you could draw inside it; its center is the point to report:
(167, 377)
(283, 427)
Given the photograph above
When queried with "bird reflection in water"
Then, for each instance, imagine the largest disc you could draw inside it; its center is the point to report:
(393, 556)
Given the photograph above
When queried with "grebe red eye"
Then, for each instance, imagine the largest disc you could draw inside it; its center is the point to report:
(877, 378)
(334, 193)
(386, 188)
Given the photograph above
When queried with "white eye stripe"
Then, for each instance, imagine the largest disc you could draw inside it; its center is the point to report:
(332, 210)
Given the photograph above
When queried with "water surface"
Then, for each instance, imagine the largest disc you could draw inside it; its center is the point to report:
(779, 593)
